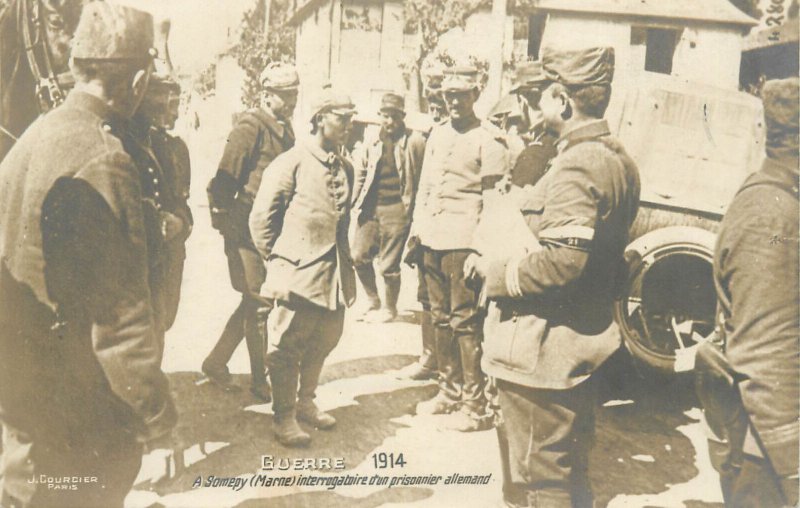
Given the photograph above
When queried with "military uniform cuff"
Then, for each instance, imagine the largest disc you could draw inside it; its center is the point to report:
(161, 423)
(495, 283)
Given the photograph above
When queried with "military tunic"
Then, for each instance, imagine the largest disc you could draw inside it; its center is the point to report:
(80, 380)
(756, 277)
(299, 224)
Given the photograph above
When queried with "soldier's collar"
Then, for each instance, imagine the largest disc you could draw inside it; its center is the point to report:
(88, 102)
(593, 129)
(327, 158)
(271, 121)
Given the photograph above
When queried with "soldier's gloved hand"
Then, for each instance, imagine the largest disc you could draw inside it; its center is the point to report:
(220, 219)
(171, 225)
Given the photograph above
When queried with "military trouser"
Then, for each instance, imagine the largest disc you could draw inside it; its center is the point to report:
(247, 274)
(547, 435)
(381, 234)
(38, 473)
(458, 323)
(301, 335)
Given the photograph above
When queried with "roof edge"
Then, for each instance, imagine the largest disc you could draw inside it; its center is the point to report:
(744, 21)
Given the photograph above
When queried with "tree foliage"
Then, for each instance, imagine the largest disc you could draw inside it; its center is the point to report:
(430, 20)
(257, 48)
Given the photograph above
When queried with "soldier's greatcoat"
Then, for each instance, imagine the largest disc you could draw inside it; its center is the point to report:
(554, 322)
(80, 377)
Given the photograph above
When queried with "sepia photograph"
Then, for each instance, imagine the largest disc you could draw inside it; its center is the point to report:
(399, 253)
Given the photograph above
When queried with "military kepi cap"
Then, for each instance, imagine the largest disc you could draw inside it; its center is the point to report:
(782, 115)
(109, 31)
(529, 75)
(280, 77)
(393, 102)
(331, 100)
(460, 79)
(782, 102)
(590, 66)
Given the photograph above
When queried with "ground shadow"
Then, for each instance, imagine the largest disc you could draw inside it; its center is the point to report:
(331, 499)
(645, 428)
(209, 414)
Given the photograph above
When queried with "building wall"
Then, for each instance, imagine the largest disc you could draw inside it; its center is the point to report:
(313, 57)
(356, 45)
(708, 54)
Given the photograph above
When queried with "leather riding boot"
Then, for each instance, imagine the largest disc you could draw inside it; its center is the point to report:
(288, 431)
(447, 400)
(259, 386)
(284, 375)
(448, 358)
(472, 389)
(428, 358)
(366, 274)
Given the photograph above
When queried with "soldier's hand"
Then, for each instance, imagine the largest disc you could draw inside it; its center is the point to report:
(171, 226)
(475, 267)
(413, 255)
(220, 219)
(164, 441)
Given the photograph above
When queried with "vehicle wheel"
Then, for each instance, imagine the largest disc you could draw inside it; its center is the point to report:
(668, 302)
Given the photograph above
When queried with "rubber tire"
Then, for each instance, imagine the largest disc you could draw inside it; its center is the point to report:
(649, 247)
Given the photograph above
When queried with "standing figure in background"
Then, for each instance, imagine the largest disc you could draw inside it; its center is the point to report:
(163, 163)
(386, 176)
(258, 137)
(750, 383)
(553, 324)
(81, 385)
(299, 224)
(425, 367)
(463, 159)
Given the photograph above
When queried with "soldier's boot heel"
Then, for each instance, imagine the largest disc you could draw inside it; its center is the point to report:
(262, 392)
(309, 413)
(288, 432)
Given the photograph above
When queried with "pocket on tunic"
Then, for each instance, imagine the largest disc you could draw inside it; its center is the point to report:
(512, 339)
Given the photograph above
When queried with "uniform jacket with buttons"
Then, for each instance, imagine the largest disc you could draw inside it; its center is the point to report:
(758, 294)
(552, 324)
(78, 353)
(409, 152)
(163, 164)
(256, 140)
(299, 225)
(459, 165)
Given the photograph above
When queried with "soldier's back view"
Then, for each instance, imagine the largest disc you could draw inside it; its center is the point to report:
(81, 387)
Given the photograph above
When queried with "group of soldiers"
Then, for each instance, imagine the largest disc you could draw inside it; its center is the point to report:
(94, 218)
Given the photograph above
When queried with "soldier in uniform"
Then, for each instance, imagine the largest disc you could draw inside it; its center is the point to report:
(534, 159)
(386, 175)
(425, 367)
(299, 224)
(81, 386)
(462, 160)
(257, 139)
(163, 162)
(756, 276)
(553, 326)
